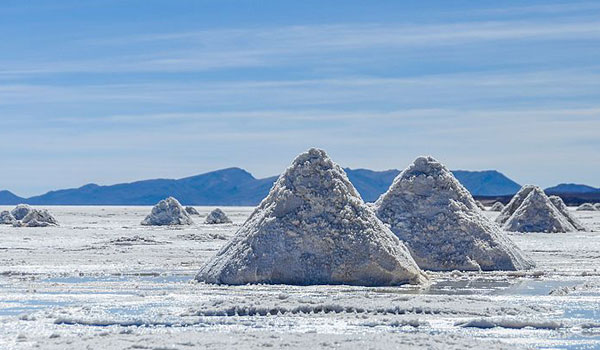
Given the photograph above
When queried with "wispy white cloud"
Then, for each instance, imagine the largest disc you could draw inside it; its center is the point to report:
(439, 90)
(544, 9)
(230, 48)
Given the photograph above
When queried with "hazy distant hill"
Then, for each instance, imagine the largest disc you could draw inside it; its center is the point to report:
(8, 198)
(571, 188)
(232, 186)
(486, 183)
(371, 184)
(235, 186)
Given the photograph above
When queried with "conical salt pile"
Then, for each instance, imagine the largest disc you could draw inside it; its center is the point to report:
(217, 216)
(480, 205)
(168, 212)
(438, 219)
(20, 211)
(37, 218)
(562, 208)
(313, 228)
(597, 206)
(514, 204)
(191, 211)
(538, 214)
(498, 206)
(6, 218)
(586, 207)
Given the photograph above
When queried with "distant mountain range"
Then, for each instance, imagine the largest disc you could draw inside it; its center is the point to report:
(572, 189)
(235, 186)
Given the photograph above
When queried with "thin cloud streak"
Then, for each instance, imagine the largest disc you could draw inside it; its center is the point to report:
(440, 89)
(221, 49)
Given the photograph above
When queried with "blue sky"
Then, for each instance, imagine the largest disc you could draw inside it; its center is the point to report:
(110, 91)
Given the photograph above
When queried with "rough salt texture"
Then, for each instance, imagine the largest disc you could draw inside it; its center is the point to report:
(168, 212)
(562, 208)
(191, 211)
(480, 205)
(313, 228)
(439, 221)
(21, 211)
(498, 206)
(6, 218)
(514, 204)
(586, 207)
(217, 216)
(538, 214)
(37, 218)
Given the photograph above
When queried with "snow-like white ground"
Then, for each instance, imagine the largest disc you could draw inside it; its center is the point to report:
(103, 281)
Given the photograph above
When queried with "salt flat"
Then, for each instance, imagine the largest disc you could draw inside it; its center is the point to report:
(101, 280)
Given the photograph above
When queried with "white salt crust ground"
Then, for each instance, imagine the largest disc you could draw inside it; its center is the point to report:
(102, 281)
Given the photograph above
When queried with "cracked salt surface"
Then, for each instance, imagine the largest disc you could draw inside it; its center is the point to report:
(101, 280)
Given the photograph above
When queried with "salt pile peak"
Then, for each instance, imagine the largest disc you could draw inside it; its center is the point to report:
(538, 214)
(217, 216)
(439, 221)
(514, 204)
(586, 207)
(562, 208)
(37, 218)
(313, 228)
(167, 212)
(498, 206)
(6, 218)
(480, 205)
(191, 211)
(20, 211)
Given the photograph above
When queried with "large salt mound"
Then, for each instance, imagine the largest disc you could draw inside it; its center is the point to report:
(498, 206)
(168, 212)
(514, 204)
(538, 214)
(217, 216)
(586, 207)
(20, 211)
(6, 218)
(562, 208)
(37, 218)
(438, 219)
(313, 228)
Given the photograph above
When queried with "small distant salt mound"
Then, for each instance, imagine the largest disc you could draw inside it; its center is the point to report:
(313, 228)
(498, 206)
(480, 205)
(21, 211)
(562, 208)
(217, 216)
(538, 214)
(191, 211)
(597, 206)
(438, 219)
(6, 218)
(37, 218)
(514, 204)
(168, 212)
(586, 207)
